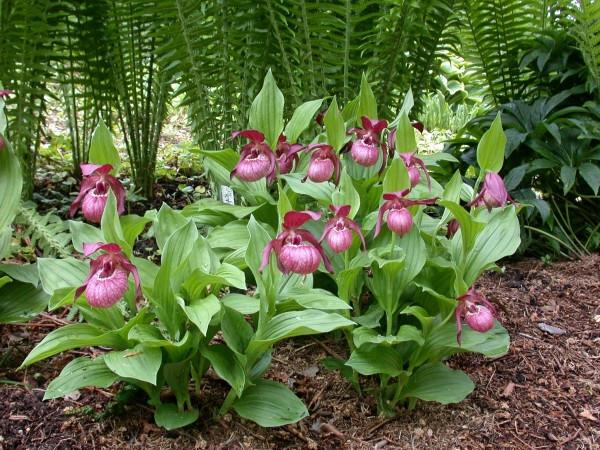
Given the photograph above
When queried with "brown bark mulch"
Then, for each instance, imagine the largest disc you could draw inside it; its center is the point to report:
(545, 393)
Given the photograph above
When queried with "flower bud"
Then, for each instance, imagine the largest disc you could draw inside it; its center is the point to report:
(453, 227)
(320, 170)
(400, 221)
(495, 194)
(479, 318)
(365, 152)
(414, 175)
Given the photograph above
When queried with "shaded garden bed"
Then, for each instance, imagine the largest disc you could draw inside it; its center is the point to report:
(545, 393)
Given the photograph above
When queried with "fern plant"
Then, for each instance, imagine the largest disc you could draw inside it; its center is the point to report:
(47, 233)
(587, 32)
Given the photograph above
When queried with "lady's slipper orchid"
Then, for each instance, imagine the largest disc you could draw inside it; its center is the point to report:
(399, 218)
(338, 230)
(476, 310)
(413, 164)
(324, 164)
(493, 194)
(257, 160)
(93, 192)
(286, 155)
(107, 281)
(296, 249)
(365, 149)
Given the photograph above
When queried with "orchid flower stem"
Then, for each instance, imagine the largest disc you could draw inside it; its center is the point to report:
(393, 246)
(477, 183)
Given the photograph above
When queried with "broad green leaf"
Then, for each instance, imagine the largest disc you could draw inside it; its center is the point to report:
(396, 177)
(335, 126)
(72, 336)
(490, 151)
(270, 404)
(237, 333)
(268, 280)
(591, 174)
(405, 136)
(243, 304)
(319, 191)
(437, 383)
(266, 111)
(27, 273)
(102, 148)
(201, 311)
(501, 237)
(364, 335)
(376, 359)
(11, 183)
(469, 227)
(20, 301)
(166, 223)
(211, 212)
(568, 176)
(61, 273)
(315, 299)
(227, 366)
(168, 416)
(79, 373)
(367, 105)
(301, 323)
(83, 233)
(283, 204)
(132, 226)
(301, 119)
(233, 235)
(452, 193)
(111, 225)
(346, 194)
(140, 363)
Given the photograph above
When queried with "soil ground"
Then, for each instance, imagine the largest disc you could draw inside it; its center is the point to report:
(545, 393)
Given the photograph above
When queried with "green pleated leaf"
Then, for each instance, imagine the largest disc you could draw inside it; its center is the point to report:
(102, 148)
(201, 311)
(62, 273)
(266, 112)
(367, 105)
(335, 126)
(140, 363)
(227, 366)
(270, 404)
(20, 301)
(376, 359)
(490, 151)
(405, 136)
(79, 373)
(301, 119)
(438, 383)
(168, 416)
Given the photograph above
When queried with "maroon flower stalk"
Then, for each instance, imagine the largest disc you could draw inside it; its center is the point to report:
(493, 194)
(453, 227)
(296, 249)
(399, 219)
(324, 164)
(107, 281)
(476, 310)
(365, 149)
(413, 164)
(257, 160)
(338, 230)
(93, 192)
(286, 155)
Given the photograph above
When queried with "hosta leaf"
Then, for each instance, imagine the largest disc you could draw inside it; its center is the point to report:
(437, 383)
(79, 373)
(140, 363)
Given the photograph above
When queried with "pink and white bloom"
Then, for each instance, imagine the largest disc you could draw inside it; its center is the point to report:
(324, 164)
(413, 164)
(399, 219)
(4, 93)
(286, 155)
(296, 249)
(93, 193)
(257, 160)
(107, 281)
(493, 194)
(477, 312)
(338, 230)
(365, 149)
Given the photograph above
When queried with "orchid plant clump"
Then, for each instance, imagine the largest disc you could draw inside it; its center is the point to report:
(410, 245)
(403, 251)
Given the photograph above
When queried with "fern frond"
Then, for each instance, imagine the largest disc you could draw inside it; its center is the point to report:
(46, 232)
(587, 32)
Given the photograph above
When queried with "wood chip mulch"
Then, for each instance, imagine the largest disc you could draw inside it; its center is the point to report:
(544, 394)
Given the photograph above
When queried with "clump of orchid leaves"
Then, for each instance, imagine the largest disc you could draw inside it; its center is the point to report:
(346, 209)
